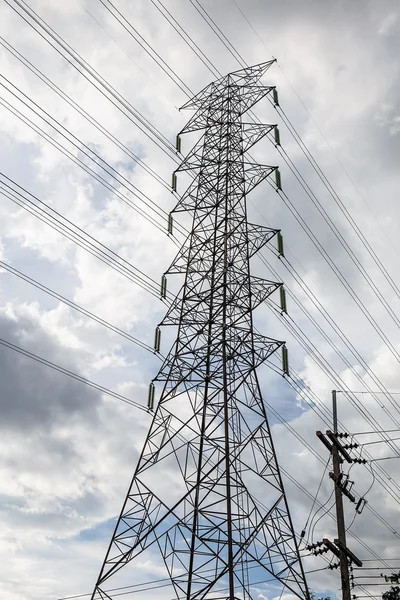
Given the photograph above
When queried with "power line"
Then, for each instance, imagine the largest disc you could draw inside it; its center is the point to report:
(90, 154)
(125, 23)
(123, 105)
(184, 35)
(214, 27)
(379, 442)
(57, 90)
(75, 306)
(71, 374)
(78, 236)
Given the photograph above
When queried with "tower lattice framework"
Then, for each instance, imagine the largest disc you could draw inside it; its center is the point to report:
(207, 500)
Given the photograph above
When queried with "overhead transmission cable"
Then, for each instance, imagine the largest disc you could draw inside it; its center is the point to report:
(70, 303)
(84, 149)
(83, 239)
(57, 90)
(70, 373)
(127, 25)
(186, 37)
(93, 77)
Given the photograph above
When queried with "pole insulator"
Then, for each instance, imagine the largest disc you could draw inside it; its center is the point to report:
(163, 286)
(150, 398)
(285, 361)
(174, 182)
(275, 96)
(283, 299)
(277, 136)
(278, 179)
(280, 245)
(157, 339)
(170, 224)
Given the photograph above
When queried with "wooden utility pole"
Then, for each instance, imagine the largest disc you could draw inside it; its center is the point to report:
(339, 548)
(344, 565)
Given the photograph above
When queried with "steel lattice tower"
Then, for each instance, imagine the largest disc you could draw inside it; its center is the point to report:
(207, 496)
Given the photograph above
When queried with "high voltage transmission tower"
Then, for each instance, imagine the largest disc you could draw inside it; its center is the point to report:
(207, 500)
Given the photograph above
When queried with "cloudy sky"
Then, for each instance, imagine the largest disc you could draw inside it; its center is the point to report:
(67, 450)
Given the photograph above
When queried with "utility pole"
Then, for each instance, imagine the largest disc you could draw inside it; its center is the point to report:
(339, 547)
(344, 565)
(206, 506)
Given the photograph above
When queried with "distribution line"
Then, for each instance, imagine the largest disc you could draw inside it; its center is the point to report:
(333, 517)
(57, 90)
(79, 236)
(184, 35)
(97, 81)
(71, 374)
(75, 306)
(125, 23)
(81, 164)
(364, 273)
(91, 155)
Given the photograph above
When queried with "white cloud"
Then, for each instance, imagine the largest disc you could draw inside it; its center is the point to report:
(388, 23)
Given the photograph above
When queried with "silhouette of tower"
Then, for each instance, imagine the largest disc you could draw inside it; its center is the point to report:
(206, 500)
